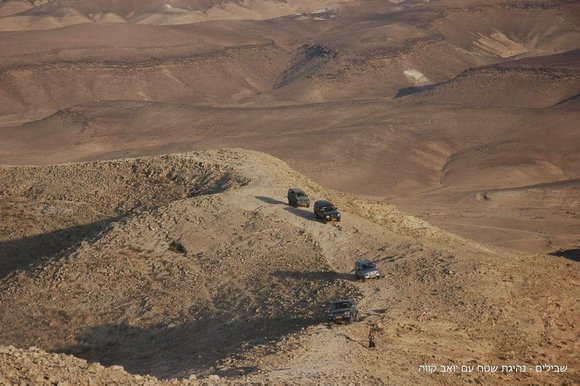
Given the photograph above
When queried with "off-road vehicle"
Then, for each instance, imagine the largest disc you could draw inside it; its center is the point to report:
(326, 211)
(297, 197)
(342, 311)
(365, 269)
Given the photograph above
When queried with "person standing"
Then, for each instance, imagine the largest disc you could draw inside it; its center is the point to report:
(372, 339)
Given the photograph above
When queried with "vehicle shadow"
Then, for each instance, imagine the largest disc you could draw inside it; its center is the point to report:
(28, 252)
(195, 347)
(304, 213)
(317, 275)
(269, 200)
(572, 254)
(415, 90)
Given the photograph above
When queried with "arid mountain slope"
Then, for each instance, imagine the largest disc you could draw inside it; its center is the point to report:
(538, 82)
(349, 54)
(433, 160)
(37, 367)
(193, 264)
(462, 112)
(53, 14)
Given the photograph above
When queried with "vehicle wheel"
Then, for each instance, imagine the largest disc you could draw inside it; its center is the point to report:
(364, 279)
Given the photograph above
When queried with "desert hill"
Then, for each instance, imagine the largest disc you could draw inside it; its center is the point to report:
(127, 239)
(51, 14)
(352, 55)
(435, 162)
(193, 264)
(539, 82)
(38, 367)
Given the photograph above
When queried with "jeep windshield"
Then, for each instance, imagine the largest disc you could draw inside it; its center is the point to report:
(328, 208)
(368, 266)
(340, 306)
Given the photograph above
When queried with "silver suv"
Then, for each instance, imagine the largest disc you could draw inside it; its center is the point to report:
(365, 269)
(297, 197)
